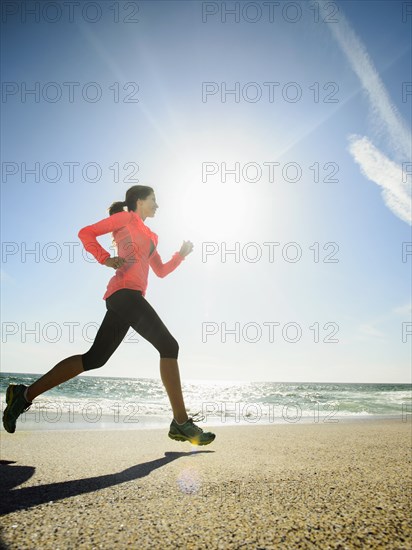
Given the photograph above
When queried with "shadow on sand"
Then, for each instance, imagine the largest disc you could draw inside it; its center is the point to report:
(26, 497)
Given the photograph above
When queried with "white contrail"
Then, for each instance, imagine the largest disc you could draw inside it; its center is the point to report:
(374, 164)
(385, 173)
(362, 65)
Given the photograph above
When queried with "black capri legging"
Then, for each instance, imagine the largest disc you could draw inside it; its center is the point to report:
(128, 308)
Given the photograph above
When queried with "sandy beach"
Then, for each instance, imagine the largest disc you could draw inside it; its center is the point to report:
(344, 485)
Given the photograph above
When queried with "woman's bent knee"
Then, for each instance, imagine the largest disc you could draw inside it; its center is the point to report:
(169, 350)
(90, 363)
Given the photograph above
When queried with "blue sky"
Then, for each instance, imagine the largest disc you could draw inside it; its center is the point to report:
(362, 60)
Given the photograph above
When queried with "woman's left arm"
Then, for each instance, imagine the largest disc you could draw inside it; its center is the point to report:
(162, 269)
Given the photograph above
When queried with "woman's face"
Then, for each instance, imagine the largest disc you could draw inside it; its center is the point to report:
(147, 207)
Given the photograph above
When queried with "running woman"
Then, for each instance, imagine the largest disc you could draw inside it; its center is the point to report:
(126, 307)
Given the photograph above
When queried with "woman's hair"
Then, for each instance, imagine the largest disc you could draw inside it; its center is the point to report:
(132, 194)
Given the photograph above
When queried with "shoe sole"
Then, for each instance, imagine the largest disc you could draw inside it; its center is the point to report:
(9, 399)
(192, 441)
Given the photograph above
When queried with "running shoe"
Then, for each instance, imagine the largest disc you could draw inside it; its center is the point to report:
(16, 404)
(190, 432)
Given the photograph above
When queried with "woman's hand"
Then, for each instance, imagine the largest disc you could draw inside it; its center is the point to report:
(115, 262)
(186, 248)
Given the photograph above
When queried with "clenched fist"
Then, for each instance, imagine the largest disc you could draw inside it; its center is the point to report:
(186, 248)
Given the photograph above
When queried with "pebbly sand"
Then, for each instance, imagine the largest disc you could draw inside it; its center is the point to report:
(345, 485)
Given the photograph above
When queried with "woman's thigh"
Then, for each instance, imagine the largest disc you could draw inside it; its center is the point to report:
(108, 338)
(135, 310)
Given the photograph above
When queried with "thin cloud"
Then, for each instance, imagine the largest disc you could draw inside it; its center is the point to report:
(373, 163)
(362, 65)
(385, 173)
(403, 310)
(369, 331)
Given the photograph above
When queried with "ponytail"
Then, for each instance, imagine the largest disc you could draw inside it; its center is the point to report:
(117, 207)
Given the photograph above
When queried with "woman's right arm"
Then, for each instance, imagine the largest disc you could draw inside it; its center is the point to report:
(89, 233)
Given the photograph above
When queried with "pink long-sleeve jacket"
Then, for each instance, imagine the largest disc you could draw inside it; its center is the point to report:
(136, 243)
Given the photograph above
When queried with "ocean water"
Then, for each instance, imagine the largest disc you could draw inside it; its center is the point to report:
(87, 402)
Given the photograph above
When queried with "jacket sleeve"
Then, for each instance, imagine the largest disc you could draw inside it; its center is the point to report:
(162, 269)
(89, 233)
